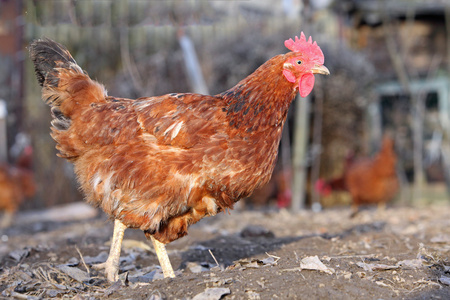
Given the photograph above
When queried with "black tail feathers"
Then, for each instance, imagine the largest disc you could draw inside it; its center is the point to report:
(48, 55)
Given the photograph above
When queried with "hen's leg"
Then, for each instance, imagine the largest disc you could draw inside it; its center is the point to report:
(111, 265)
(354, 210)
(7, 219)
(163, 258)
(381, 207)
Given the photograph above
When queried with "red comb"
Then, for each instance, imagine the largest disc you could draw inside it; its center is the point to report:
(305, 47)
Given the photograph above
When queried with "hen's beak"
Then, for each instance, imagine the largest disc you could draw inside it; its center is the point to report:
(320, 70)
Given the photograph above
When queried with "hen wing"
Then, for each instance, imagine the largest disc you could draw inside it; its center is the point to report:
(150, 159)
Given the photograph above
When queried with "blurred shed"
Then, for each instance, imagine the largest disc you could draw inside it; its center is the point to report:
(408, 43)
(133, 48)
(11, 65)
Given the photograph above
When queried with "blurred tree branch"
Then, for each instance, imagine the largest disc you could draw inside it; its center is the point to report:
(317, 142)
(445, 149)
(418, 105)
(130, 65)
(417, 97)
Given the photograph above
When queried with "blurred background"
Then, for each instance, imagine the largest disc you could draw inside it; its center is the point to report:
(389, 64)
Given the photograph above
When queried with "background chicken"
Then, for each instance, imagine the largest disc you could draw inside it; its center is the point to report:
(368, 180)
(163, 163)
(16, 184)
(374, 181)
(337, 184)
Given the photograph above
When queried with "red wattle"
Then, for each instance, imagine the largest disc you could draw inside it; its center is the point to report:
(306, 84)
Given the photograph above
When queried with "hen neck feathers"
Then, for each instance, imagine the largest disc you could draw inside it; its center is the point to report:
(260, 100)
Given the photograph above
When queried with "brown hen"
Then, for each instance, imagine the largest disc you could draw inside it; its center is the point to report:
(373, 180)
(16, 183)
(163, 163)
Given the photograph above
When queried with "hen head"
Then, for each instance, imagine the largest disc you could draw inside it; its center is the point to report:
(305, 60)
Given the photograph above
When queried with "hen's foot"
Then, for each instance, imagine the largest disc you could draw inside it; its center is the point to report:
(111, 270)
(111, 265)
(7, 220)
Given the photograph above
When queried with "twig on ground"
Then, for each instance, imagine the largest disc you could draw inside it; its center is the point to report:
(82, 260)
(277, 258)
(423, 284)
(271, 255)
(18, 295)
(350, 256)
(210, 252)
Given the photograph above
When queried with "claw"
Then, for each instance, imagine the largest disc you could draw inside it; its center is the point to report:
(111, 271)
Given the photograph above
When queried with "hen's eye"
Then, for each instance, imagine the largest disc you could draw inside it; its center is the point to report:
(299, 62)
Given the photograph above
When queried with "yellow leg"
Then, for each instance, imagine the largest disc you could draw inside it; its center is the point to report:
(354, 210)
(381, 207)
(163, 258)
(111, 265)
(7, 219)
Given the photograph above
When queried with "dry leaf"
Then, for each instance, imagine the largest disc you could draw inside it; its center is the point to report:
(314, 263)
(212, 294)
(74, 273)
(375, 267)
(411, 263)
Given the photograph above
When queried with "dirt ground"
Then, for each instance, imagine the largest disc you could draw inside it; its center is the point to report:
(399, 253)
